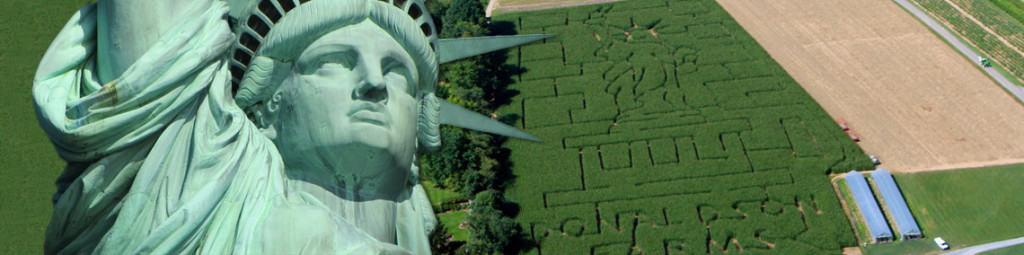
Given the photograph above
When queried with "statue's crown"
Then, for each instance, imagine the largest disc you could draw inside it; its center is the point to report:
(256, 19)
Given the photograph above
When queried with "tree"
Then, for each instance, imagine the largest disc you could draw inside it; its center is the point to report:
(470, 11)
(464, 29)
(439, 241)
(460, 84)
(491, 232)
(493, 199)
(455, 158)
(475, 182)
(437, 9)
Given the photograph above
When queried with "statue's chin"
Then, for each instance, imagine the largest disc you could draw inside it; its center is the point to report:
(372, 136)
(353, 170)
(364, 158)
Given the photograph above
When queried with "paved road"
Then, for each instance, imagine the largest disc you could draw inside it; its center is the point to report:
(987, 247)
(1015, 90)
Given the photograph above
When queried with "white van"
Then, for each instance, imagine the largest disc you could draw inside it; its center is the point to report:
(942, 243)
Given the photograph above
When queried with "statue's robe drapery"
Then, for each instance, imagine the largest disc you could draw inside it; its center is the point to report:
(161, 160)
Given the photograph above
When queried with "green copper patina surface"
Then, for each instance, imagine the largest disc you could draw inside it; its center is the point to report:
(294, 132)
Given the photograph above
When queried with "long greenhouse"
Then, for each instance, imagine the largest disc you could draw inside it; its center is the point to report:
(868, 207)
(893, 200)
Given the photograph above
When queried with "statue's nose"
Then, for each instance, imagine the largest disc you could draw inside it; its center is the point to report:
(372, 89)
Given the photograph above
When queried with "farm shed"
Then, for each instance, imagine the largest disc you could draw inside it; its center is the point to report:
(868, 207)
(893, 200)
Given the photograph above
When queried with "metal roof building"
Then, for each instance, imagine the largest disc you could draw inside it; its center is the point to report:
(868, 207)
(893, 200)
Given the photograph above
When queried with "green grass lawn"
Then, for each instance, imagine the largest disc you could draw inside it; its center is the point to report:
(28, 163)
(451, 222)
(920, 246)
(964, 207)
(967, 207)
(436, 194)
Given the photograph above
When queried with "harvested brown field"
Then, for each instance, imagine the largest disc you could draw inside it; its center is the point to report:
(915, 102)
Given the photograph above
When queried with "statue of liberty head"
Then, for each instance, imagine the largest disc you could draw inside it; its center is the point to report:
(345, 90)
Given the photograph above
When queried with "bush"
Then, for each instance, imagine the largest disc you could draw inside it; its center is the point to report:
(454, 203)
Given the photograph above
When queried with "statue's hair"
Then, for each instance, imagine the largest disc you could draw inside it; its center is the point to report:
(273, 36)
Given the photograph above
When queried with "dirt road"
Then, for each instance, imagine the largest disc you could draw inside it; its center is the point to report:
(916, 103)
(516, 6)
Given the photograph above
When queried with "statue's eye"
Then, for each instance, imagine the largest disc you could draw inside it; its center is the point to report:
(347, 61)
(397, 74)
(328, 63)
(328, 68)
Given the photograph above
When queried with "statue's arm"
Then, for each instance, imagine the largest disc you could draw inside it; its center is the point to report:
(128, 28)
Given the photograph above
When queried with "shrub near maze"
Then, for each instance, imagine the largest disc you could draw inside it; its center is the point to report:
(668, 129)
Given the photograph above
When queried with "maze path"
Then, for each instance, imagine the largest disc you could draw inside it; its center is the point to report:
(669, 130)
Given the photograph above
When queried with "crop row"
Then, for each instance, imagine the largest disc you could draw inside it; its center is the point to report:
(996, 19)
(987, 42)
(1014, 8)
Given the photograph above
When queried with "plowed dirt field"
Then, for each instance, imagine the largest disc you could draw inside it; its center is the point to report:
(915, 103)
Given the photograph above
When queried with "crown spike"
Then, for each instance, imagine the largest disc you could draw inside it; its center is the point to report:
(455, 115)
(459, 48)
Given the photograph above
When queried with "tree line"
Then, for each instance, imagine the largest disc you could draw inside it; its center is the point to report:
(473, 163)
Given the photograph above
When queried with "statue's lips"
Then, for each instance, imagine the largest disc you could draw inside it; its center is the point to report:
(369, 113)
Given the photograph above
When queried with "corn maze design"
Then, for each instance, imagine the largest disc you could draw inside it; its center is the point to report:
(669, 130)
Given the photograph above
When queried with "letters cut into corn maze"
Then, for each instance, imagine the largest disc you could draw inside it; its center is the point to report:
(668, 130)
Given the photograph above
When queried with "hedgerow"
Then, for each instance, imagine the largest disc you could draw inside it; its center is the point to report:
(544, 20)
(668, 129)
(539, 52)
(550, 111)
(686, 7)
(550, 69)
(614, 156)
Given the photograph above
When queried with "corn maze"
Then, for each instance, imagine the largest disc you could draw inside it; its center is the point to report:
(669, 130)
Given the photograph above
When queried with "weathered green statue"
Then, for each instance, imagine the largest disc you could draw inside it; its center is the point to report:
(295, 132)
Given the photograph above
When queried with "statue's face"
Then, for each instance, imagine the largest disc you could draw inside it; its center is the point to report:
(350, 103)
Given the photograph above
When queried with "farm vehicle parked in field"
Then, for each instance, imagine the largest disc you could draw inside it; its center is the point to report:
(846, 128)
